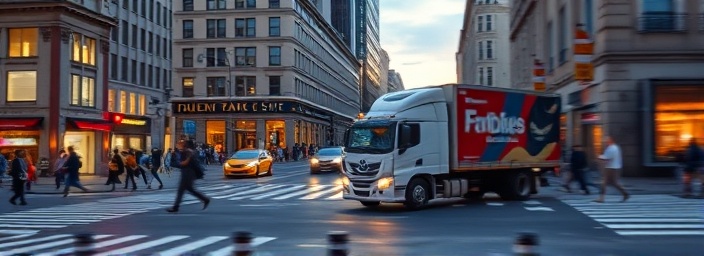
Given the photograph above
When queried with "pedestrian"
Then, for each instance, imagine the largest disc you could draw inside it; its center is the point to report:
(145, 163)
(115, 169)
(187, 162)
(578, 163)
(694, 157)
(131, 169)
(166, 167)
(138, 155)
(31, 171)
(73, 163)
(156, 164)
(3, 167)
(19, 176)
(59, 173)
(612, 170)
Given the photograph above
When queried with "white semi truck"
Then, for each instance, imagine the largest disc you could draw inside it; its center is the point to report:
(451, 141)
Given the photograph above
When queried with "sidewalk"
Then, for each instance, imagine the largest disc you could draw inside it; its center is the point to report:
(96, 184)
(634, 185)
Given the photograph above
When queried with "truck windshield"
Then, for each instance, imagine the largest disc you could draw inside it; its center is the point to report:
(371, 137)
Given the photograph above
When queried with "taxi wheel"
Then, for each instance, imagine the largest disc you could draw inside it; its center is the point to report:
(269, 173)
(256, 174)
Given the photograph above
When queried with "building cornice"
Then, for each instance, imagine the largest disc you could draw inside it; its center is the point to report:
(57, 6)
(649, 57)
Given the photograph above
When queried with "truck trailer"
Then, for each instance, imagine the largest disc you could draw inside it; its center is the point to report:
(451, 140)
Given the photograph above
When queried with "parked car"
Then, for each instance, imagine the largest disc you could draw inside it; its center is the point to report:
(248, 162)
(327, 159)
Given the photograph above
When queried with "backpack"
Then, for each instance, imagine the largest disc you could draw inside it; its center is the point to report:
(197, 168)
(175, 159)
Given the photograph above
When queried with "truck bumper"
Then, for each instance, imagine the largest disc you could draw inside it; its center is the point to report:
(368, 191)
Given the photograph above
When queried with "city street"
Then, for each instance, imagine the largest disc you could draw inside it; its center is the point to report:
(292, 212)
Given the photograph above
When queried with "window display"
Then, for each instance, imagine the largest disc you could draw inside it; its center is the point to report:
(679, 117)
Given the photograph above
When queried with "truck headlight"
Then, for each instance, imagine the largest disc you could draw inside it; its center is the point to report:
(313, 161)
(337, 160)
(384, 183)
(345, 181)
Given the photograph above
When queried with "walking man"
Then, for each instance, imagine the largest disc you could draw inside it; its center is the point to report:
(156, 164)
(612, 170)
(118, 167)
(72, 165)
(694, 158)
(19, 176)
(59, 171)
(578, 162)
(188, 175)
(131, 168)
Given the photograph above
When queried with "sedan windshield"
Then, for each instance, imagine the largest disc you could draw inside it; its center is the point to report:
(330, 152)
(245, 155)
(371, 137)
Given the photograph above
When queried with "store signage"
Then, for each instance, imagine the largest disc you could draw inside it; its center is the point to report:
(18, 142)
(133, 122)
(583, 50)
(538, 76)
(235, 107)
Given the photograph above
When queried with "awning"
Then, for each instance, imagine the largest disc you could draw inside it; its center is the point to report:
(87, 125)
(19, 123)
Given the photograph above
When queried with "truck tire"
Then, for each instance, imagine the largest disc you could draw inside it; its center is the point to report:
(417, 194)
(370, 203)
(517, 186)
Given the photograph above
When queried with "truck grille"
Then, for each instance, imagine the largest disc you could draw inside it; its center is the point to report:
(362, 183)
(361, 193)
(364, 169)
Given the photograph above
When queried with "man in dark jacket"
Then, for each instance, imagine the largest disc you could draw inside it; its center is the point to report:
(188, 175)
(694, 157)
(18, 172)
(578, 162)
(156, 164)
(114, 175)
(72, 165)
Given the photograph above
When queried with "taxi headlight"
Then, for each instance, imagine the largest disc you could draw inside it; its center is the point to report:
(251, 164)
(384, 183)
(314, 161)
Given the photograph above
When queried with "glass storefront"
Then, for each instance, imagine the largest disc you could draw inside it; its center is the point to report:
(13, 140)
(84, 145)
(276, 134)
(246, 134)
(678, 118)
(215, 133)
(136, 142)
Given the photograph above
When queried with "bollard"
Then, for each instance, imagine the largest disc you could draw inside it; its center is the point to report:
(83, 244)
(243, 243)
(337, 243)
(525, 243)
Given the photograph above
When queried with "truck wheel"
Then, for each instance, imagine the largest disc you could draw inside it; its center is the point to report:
(370, 204)
(417, 194)
(517, 186)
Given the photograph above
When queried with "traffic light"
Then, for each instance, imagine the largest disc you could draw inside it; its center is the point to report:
(116, 118)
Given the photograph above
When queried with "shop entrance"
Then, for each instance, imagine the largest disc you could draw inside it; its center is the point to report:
(592, 144)
(84, 145)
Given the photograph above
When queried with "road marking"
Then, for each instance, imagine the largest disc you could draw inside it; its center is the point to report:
(240, 195)
(337, 196)
(650, 220)
(188, 247)
(318, 194)
(278, 192)
(310, 189)
(495, 204)
(45, 246)
(540, 208)
(655, 226)
(662, 233)
(143, 246)
(532, 202)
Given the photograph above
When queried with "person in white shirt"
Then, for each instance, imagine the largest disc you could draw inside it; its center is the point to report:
(612, 168)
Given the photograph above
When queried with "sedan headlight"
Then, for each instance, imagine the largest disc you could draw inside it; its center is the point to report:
(385, 183)
(313, 161)
(337, 160)
(252, 164)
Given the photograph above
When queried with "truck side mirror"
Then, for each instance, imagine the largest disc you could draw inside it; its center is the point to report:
(404, 139)
(346, 137)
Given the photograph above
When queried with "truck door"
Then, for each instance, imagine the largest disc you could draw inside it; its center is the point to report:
(412, 155)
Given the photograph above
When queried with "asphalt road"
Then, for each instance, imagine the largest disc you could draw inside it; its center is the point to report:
(292, 212)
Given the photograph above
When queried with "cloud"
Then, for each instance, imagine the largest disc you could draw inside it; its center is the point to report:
(421, 39)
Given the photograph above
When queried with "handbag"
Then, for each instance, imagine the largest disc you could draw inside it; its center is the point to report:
(112, 166)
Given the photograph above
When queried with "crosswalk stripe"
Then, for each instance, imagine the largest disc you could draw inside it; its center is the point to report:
(13, 237)
(45, 246)
(237, 196)
(647, 215)
(336, 196)
(31, 226)
(318, 194)
(655, 226)
(224, 192)
(142, 246)
(98, 245)
(277, 192)
(9, 220)
(300, 193)
(648, 220)
(662, 232)
(190, 246)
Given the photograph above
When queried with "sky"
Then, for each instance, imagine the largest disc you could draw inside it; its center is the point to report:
(421, 38)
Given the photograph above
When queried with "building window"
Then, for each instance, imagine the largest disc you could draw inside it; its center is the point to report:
(216, 57)
(588, 16)
(135, 6)
(215, 28)
(245, 27)
(134, 71)
(157, 42)
(245, 86)
(549, 49)
(678, 117)
(157, 70)
(134, 36)
(275, 85)
(490, 76)
(143, 71)
(143, 40)
(274, 26)
(489, 50)
(274, 4)
(113, 66)
(188, 5)
(144, 8)
(489, 24)
(480, 76)
(125, 32)
(216, 5)
(83, 49)
(133, 104)
(274, 56)
(187, 87)
(188, 58)
(114, 33)
(23, 42)
(188, 29)
(125, 4)
(123, 102)
(480, 23)
(276, 134)
(215, 130)
(481, 50)
(158, 14)
(111, 100)
(246, 56)
(123, 68)
(150, 77)
(142, 104)
(242, 4)
(661, 16)
(21, 86)
(216, 86)
(562, 36)
(82, 91)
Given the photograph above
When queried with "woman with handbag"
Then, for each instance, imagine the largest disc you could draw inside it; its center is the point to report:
(19, 176)
(116, 167)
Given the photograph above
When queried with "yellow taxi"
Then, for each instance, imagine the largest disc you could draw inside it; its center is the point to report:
(248, 162)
